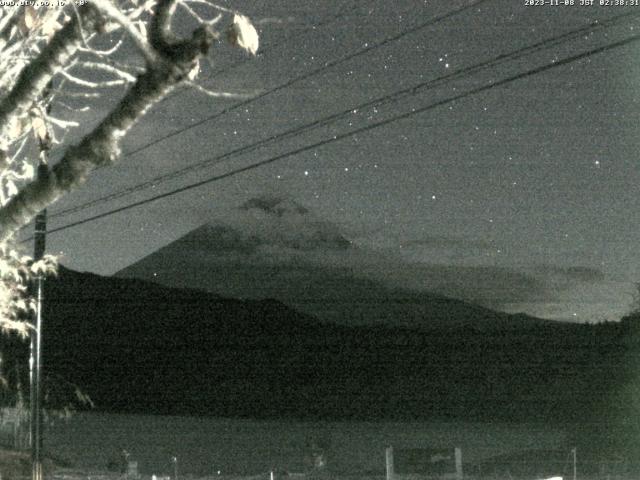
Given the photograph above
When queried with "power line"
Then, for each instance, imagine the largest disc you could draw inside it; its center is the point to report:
(413, 112)
(309, 74)
(280, 87)
(262, 52)
(395, 96)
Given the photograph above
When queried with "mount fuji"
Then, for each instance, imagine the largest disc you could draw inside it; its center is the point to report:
(275, 248)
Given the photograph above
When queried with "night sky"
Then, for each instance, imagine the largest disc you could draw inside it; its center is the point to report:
(537, 176)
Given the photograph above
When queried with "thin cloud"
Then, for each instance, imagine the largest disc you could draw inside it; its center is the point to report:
(577, 273)
(446, 241)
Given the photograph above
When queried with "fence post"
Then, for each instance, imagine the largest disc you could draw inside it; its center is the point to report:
(389, 462)
(458, 455)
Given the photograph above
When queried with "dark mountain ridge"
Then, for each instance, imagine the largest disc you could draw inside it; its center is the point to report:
(136, 346)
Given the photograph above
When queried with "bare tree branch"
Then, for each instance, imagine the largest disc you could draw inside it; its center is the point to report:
(38, 54)
(114, 13)
(175, 59)
(8, 24)
(37, 74)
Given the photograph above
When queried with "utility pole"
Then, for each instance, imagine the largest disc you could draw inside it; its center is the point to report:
(35, 402)
(35, 361)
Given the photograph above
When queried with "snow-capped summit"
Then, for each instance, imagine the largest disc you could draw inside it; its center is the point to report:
(279, 206)
(282, 222)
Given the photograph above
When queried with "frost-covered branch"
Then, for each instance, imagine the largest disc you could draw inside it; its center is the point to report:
(38, 73)
(8, 23)
(172, 62)
(111, 11)
(110, 68)
(217, 93)
(90, 83)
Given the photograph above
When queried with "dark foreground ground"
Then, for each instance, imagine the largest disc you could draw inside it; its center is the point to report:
(140, 348)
